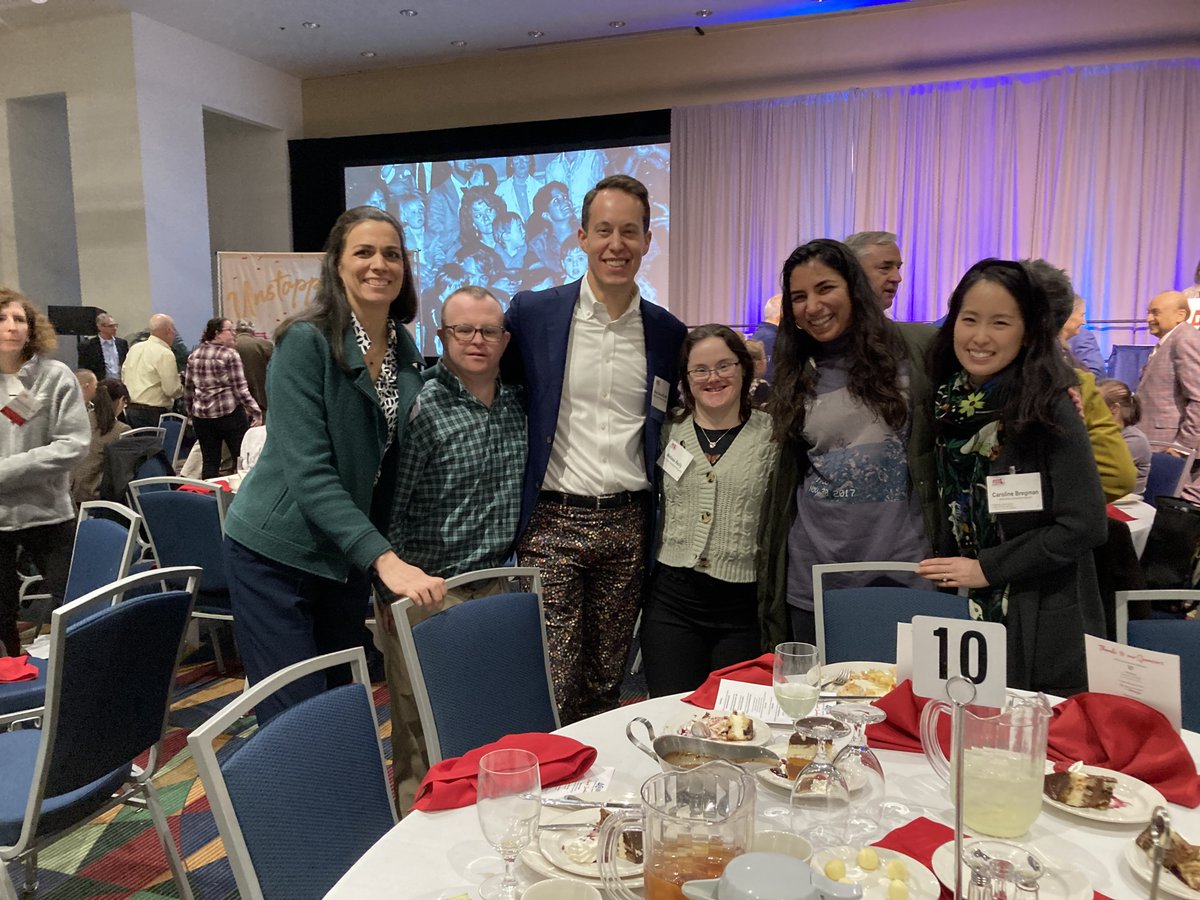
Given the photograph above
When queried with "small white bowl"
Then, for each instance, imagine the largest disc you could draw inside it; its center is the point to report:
(782, 842)
(556, 889)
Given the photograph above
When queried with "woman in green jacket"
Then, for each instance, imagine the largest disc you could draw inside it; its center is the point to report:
(305, 534)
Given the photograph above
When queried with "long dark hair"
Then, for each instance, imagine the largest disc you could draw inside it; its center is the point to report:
(105, 403)
(1032, 383)
(875, 353)
(736, 346)
(329, 311)
(212, 328)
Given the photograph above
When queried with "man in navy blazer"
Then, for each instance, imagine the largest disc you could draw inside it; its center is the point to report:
(600, 367)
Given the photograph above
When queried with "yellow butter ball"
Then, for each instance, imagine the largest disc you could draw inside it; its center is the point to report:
(835, 870)
(868, 859)
(897, 890)
(896, 871)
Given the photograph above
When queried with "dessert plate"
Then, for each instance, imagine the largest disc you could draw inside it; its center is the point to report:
(1136, 800)
(921, 883)
(869, 690)
(1167, 881)
(1061, 881)
(772, 778)
(682, 724)
(574, 851)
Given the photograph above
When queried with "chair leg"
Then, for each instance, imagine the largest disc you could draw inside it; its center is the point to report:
(174, 860)
(214, 629)
(8, 890)
(29, 891)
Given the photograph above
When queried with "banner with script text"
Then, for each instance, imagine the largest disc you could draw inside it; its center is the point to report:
(267, 287)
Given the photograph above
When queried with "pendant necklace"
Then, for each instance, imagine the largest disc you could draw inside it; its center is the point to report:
(710, 441)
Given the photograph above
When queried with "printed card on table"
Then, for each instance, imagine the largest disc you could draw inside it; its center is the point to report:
(1144, 675)
(754, 700)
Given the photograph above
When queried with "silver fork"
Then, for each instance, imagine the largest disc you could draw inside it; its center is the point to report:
(838, 680)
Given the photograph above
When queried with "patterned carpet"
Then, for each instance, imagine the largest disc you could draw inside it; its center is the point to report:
(118, 856)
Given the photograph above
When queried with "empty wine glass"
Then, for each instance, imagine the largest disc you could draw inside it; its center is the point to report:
(796, 677)
(820, 796)
(862, 770)
(509, 805)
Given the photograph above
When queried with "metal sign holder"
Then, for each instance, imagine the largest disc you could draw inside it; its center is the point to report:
(960, 692)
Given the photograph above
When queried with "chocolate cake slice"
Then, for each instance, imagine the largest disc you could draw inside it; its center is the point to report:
(1181, 859)
(1080, 789)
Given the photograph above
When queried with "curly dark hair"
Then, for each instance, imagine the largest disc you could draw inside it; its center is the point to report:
(42, 338)
(329, 311)
(736, 346)
(876, 348)
(1032, 383)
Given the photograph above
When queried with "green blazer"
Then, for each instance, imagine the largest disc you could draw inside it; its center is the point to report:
(780, 510)
(311, 501)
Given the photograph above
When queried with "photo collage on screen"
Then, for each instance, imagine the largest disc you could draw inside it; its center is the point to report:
(508, 224)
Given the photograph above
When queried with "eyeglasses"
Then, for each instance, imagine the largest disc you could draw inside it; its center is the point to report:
(466, 333)
(703, 373)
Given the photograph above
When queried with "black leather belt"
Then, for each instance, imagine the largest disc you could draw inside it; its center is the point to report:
(604, 501)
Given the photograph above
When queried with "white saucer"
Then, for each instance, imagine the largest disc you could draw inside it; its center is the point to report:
(1139, 800)
(1061, 881)
(1140, 863)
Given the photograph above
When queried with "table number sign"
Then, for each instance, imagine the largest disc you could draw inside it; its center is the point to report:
(944, 648)
(1147, 676)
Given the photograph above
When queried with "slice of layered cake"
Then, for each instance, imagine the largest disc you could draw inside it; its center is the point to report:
(1080, 789)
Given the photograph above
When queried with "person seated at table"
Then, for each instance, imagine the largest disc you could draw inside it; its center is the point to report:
(701, 609)
(458, 495)
(1003, 408)
(1117, 471)
(108, 403)
(1126, 411)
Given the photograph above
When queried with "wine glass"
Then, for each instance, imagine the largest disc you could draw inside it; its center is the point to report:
(862, 770)
(509, 805)
(820, 797)
(796, 677)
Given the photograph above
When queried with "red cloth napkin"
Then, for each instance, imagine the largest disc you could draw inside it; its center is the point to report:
(920, 838)
(752, 671)
(17, 668)
(196, 489)
(452, 782)
(1101, 729)
(1119, 514)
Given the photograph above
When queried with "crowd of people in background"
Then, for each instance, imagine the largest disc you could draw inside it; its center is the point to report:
(573, 425)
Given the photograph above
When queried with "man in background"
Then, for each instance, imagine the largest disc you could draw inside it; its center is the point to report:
(767, 331)
(1169, 387)
(255, 353)
(104, 354)
(879, 254)
(459, 469)
(1082, 341)
(152, 375)
(88, 384)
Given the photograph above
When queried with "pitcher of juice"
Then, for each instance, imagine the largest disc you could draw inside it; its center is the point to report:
(690, 826)
(1004, 762)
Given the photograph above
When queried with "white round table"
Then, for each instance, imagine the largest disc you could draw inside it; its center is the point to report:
(432, 856)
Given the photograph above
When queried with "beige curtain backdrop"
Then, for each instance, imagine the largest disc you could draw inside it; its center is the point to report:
(1086, 167)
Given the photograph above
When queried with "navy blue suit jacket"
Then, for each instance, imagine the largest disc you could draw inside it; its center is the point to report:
(540, 322)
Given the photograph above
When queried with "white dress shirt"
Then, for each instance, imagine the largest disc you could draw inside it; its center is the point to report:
(598, 441)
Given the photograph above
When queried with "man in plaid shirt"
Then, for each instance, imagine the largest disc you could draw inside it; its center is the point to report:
(458, 497)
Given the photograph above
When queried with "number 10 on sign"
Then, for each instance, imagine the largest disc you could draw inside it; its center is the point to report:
(943, 648)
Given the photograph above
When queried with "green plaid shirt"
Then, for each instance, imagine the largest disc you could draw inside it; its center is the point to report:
(458, 497)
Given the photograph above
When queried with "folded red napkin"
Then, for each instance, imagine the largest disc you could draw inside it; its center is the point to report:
(1119, 514)
(920, 838)
(752, 671)
(452, 782)
(196, 489)
(17, 668)
(1101, 729)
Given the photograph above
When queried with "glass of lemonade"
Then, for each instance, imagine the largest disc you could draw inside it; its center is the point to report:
(796, 677)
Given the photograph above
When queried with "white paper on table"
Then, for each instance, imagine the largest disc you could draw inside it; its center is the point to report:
(754, 700)
(39, 647)
(903, 651)
(595, 779)
(1145, 675)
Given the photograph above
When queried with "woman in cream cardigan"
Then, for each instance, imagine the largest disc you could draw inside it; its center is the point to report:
(701, 610)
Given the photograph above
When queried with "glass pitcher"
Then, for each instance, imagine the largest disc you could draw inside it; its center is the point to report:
(1004, 762)
(692, 824)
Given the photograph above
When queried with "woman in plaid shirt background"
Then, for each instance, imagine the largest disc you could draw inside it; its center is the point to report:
(217, 396)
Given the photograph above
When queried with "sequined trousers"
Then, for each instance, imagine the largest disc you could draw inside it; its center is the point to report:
(593, 564)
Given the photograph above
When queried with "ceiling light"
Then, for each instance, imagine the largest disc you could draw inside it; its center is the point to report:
(311, 25)
(368, 54)
(39, 2)
(458, 43)
(537, 34)
(408, 12)
(616, 23)
(704, 13)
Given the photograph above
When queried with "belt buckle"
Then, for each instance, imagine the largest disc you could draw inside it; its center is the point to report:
(603, 498)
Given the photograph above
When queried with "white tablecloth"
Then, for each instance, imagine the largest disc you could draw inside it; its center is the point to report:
(441, 854)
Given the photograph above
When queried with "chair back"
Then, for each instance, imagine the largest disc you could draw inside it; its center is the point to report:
(111, 675)
(1167, 475)
(173, 425)
(105, 542)
(1181, 637)
(479, 670)
(157, 431)
(1142, 601)
(306, 795)
(186, 529)
(859, 623)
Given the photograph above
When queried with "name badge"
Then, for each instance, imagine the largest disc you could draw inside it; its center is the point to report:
(658, 397)
(676, 460)
(21, 408)
(1014, 493)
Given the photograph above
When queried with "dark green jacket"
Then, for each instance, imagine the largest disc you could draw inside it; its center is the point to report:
(780, 510)
(311, 501)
